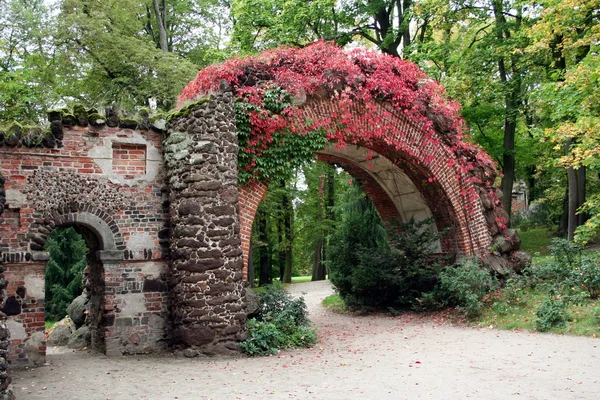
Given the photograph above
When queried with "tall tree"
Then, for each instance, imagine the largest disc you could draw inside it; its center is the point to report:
(160, 13)
(108, 58)
(64, 270)
(567, 34)
(476, 49)
(26, 59)
(264, 251)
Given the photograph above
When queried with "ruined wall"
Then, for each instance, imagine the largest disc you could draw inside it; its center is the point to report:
(105, 177)
(206, 259)
(5, 379)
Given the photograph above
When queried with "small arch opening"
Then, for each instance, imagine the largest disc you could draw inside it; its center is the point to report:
(74, 288)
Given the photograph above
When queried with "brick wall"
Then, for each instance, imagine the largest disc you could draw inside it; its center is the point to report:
(129, 160)
(111, 182)
(428, 163)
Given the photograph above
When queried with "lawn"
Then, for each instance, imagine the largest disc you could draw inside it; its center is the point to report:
(535, 241)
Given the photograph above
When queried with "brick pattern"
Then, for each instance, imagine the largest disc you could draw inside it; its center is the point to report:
(65, 186)
(129, 160)
(32, 308)
(426, 162)
(250, 196)
(145, 212)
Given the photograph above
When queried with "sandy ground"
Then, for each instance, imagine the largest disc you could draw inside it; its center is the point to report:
(372, 357)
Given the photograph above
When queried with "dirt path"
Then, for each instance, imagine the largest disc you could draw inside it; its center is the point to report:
(357, 358)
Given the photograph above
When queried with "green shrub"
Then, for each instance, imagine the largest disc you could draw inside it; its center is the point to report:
(276, 302)
(551, 314)
(371, 274)
(565, 252)
(64, 269)
(463, 286)
(281, 322)
(587, 275)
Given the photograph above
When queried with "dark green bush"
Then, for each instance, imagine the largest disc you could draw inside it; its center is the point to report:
(551, 314)
(276, 302)
(587, 275)
(570, 271)
(463, 286)
(373, 274)
(64, 270)
(282, 322)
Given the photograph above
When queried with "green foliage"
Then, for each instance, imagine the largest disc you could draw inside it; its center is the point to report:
(587, 275)
(551, 314)
(282, 322)
(64, 270)
(115, 61)
(464, 285)
(335, 303)
(281, 151)
(25, 60)
(276, 303)
(378, 274)
(269, 23)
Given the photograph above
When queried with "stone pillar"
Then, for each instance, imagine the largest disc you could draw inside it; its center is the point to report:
(205, 251)
(5, 380)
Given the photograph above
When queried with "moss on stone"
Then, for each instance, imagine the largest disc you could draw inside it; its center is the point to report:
(79, 110)
(128, 123)
(69, 119)
(157, 117)
(14, 129)
(96, 119)
(81, 114)
(186, 110)
(175, 138)
(144, 112)
(55, 115)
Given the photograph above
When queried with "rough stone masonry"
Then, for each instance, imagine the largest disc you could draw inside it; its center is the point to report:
(206, 259)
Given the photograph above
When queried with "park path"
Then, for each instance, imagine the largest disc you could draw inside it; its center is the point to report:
(358, 357)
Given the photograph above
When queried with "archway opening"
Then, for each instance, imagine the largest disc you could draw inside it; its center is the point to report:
(316, 197)
(75, 288)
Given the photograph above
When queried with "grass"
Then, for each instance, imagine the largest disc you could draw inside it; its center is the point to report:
(298, 279)
(510, 311)
(515, 308)
(535, 241)
(50, 324)
(335, 303)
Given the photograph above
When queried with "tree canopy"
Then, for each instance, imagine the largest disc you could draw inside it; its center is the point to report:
(525, 73)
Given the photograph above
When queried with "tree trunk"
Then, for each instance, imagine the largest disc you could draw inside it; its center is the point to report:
(508, 163)
(288, 217)
(251, 266)
(563, 226)
(511, 81)
(581, 184)
(572, 184)
(161, 23)
(281, 250)
(572, 188)
(318, 272)
(264, 254)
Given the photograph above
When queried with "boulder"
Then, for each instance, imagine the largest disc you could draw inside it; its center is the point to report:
(252, 302)
(520, 260)
(77, 309)
(60, 334)
(80, 338)
(497, 264)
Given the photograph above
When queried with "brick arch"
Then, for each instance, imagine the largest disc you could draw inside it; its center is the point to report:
(97, 221)
(432, 166)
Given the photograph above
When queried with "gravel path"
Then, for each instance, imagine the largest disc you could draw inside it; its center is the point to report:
(372, 357)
